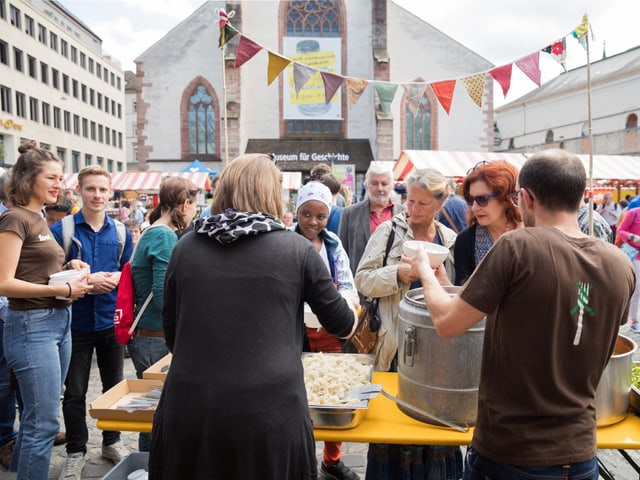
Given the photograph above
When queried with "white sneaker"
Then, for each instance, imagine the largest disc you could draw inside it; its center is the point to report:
(73, 466)
(116, 451)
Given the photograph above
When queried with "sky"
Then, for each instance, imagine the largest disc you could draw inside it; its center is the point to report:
(501, 31)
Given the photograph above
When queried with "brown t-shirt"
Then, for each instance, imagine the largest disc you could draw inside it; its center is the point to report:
(40, 257)
(540, 369)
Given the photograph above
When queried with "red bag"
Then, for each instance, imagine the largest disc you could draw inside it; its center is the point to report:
(123, 321)
(125, 306)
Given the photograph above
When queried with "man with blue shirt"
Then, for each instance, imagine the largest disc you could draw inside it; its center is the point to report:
(96, 241)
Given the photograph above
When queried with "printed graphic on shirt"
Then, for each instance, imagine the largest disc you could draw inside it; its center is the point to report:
(581, 306)
(44, 238)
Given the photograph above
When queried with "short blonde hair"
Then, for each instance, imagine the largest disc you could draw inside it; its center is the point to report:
(93, 170)
(250, 183)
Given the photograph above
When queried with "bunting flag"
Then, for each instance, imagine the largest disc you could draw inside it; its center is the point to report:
(355, 89)
(246, 50)
(581, 31)
(475, 87)
(276, 65)
(558, 51)
(386, 92)
(444, 93)
(332, 83)
(301, 75)
(226, 34)
(531, 67)
(502, 75)
(413, 93)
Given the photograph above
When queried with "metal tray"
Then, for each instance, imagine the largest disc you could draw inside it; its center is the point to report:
(341, 416)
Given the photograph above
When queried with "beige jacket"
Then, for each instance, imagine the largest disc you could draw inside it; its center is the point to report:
(374, 280)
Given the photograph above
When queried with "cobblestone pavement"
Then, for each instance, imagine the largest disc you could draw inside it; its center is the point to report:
(354, 454)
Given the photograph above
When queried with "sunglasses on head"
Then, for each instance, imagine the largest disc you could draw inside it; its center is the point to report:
(481, 200)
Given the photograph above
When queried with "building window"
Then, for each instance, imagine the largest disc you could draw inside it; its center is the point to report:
(549, 137)
(98, 70)
(74, 88)
(75, 161)
(85, 128)
(92, 97)
(5, 99)
(110, 165)
(46, 112)
(55, 78)
(74, 54)
(83, 91)
(106, 104)
(120, 140)
(56, 117)
(93, 130)
(87, 160)
(113, 80)
(632, 121)
(83, 60)
(113, 137)
(67, 121)
(33, 109)
(418, 127)
(31, 61)
(119, 85)
(3, 11)
(119, 166)
(17, 59)
(100, 134)
(64, 48)
(44, 73)
(100, 161)
(61, 153)
(201, 119)
(76, 124)
(4, 53)
(313, 18)
(90, 65)
(29, 26)
(65, 83)
(113, 107)
(100, 101)
(15, 17)
(105, 75)
(119, 111)
(107, 136)
(53, 41)
(21, 106)
(42, 34)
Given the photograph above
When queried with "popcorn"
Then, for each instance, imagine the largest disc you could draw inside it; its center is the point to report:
(328, 377)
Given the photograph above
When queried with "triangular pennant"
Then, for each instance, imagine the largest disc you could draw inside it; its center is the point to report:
(276, 65)
(355, 89)
(581, 31)
(246, 50)
(301, 75)
(226, 34)
(502, 75)
(444, 93)
(558, 50)
(531, 67)
(332, 83)
(386, 92)
(413, 95)
(475, 87)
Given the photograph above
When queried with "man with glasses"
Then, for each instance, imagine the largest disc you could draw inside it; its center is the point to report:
(554, 299)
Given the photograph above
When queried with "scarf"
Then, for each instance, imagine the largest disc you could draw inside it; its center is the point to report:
(231, 225)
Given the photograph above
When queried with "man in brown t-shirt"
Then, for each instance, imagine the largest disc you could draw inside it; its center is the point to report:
(554, 300)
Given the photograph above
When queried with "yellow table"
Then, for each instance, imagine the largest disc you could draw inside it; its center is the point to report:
(384, 422)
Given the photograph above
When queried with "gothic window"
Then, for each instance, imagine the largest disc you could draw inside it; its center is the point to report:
(201, 120)
(313, 18)
(632, 122)
(418, 127)
(549, 137)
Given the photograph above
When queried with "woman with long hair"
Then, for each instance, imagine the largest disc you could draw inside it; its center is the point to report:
(488, 190)
(178, 200)
(37, 327)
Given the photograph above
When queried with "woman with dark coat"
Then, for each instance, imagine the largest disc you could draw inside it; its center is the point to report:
(234, 403)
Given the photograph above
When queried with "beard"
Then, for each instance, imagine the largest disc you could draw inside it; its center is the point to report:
(527, 217)
(380, 199)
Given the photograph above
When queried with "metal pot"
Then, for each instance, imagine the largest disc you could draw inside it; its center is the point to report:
(614, 389)
(436, 374)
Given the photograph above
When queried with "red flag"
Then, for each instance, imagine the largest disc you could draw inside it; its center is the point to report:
(531, 67)
(246, 50)
(444, 93)
(502, 75)
(332, 83)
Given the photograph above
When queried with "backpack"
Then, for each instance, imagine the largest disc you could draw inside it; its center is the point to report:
(69, 230)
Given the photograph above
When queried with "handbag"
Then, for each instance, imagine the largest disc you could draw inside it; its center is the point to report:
(630, 250)
(365, 337)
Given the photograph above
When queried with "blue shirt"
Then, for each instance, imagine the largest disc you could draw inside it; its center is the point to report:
(94, 313)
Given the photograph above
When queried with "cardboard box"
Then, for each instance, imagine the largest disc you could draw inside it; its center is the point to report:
(105, 407)
(159, 370)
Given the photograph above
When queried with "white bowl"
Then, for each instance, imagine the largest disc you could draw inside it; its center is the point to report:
(61, 278)
(437, 253)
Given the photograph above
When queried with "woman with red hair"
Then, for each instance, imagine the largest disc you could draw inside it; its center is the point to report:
(488, 190)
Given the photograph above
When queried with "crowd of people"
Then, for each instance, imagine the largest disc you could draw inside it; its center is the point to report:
(239, 293)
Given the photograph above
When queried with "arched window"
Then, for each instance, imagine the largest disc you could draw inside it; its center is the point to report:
(313, 18)
(549, 137)
(202, 125)
(632, 121)
(418, 128)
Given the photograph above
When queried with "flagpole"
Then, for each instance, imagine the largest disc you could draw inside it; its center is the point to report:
(224, 107)
(590, 131)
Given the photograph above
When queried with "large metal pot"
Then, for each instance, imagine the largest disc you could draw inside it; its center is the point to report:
(614, 389)
(435, 374)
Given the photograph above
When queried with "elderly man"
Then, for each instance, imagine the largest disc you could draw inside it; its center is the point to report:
(541, 360)
(360, 220)
(610, 211)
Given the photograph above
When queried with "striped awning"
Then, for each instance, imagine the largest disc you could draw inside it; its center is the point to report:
(457, 164)
(144, 181)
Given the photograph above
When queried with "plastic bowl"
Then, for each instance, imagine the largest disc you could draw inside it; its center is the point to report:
(437, 253)
(60, 278)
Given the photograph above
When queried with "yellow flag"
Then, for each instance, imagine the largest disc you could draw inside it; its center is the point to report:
(276, 65)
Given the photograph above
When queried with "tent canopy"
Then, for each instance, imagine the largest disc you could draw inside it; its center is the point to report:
(197, 166)
(144, 181)
(457, 164)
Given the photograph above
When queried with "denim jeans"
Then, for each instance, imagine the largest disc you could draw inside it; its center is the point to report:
(37, 345)
(110, 357)
(7, 394)
(145, 351)
(478, 467)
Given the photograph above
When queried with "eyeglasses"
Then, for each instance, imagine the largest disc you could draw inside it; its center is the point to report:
(481, 163)
(481, 200)
(514, 196)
